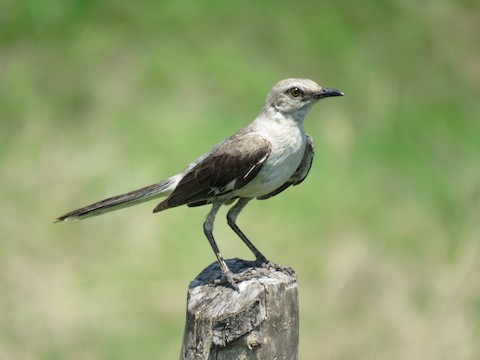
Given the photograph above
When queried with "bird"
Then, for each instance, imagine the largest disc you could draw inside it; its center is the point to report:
(259, 161)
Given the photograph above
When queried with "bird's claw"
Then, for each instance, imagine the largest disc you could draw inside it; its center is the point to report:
(227, 278)
(262, 261)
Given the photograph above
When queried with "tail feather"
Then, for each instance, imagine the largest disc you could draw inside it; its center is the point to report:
(163, 188)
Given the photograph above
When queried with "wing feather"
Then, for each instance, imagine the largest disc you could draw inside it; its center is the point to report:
(230, 166)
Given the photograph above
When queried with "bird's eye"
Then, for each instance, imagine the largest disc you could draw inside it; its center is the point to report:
(295, 92)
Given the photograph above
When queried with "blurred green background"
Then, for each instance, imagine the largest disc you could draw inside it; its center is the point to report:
(102, 97)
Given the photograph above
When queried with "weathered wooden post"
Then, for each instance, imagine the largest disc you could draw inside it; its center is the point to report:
(258, 321)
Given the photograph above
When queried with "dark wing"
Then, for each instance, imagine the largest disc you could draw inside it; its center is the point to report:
(300, 174)
(230, 166)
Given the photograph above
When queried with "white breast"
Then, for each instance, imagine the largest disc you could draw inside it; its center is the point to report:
(288, 143)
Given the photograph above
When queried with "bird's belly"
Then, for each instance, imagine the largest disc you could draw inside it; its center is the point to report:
(279, 167)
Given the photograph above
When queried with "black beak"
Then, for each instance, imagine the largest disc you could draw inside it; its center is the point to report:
(327, 92)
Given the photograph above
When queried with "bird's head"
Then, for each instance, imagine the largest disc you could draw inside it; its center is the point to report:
(297, 96)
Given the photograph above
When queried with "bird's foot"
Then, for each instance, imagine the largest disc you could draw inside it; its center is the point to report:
(227, 278)
(262, 261)
(267, 264)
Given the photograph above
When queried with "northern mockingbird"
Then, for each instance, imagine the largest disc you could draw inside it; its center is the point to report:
(259, 161)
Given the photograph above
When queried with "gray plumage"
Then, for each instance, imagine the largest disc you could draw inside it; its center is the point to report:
(259, 161)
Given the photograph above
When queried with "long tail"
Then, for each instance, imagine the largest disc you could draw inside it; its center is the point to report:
(163, 188)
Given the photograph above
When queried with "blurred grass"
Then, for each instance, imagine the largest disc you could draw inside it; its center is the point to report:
(98, 98)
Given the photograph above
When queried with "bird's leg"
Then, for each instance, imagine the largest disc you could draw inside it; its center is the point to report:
(232, 217)
(208, 230)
